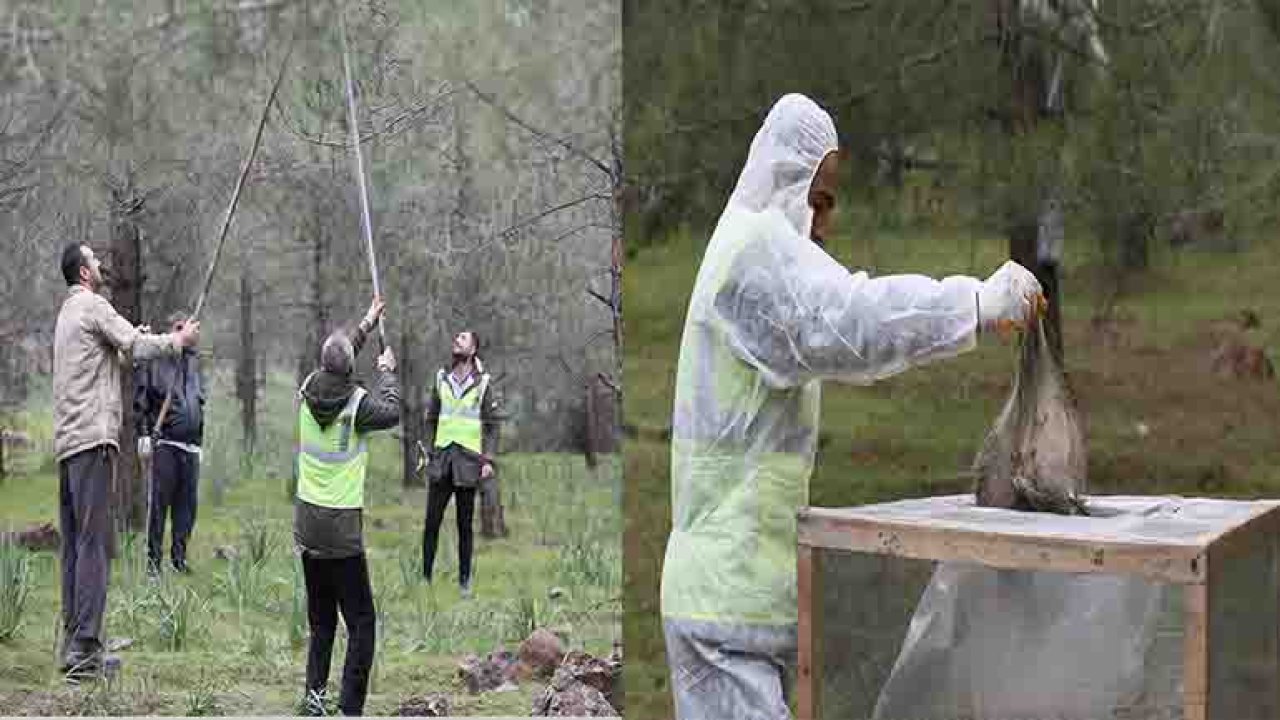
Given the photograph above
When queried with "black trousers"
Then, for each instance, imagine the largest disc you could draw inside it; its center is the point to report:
(335, 586)
(84, 505)
(438, 494)
(175, 478)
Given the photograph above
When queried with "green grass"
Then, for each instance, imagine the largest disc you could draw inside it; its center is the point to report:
(916, 434)
(231, 639)
(15, 589)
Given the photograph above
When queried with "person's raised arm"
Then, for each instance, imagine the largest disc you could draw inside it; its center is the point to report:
(795, 314)
(123, 336)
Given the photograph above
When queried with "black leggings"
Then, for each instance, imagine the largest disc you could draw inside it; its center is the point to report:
(175, 475)
(438, 494)
(335, 586)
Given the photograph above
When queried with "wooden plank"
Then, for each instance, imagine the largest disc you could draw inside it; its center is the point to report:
(809, 632)
(1274, 543)
(1014, 551)
(1251, 535)
(1195, 652)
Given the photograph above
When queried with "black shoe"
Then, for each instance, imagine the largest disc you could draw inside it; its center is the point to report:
(182, 567)
(465, 589)
(153, 568)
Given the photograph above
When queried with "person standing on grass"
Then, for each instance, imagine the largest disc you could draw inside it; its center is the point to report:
(91, 345)
(172, 445)
(771, 317)
(462, 432)
(336, 414)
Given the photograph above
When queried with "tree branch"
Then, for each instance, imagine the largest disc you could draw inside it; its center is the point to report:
(536, 132)
(608, 302)
(390, 129)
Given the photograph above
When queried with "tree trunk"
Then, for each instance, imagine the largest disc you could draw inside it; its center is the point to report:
(1023, 250)
(1029, 83)
(128, 493)
(592, 438)
(1135, 233)
(493, 523)
(318, 312)
(411, 401)
(247, 373)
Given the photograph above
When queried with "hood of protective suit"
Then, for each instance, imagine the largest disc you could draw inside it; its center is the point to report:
(793, 141)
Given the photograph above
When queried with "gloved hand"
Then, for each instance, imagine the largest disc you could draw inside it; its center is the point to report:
(387, 361)
(1009, 298)
(144, 446)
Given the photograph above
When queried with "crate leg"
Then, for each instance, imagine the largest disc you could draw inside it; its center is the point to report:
(1275, 637)
(809, 632)
(1195, 652)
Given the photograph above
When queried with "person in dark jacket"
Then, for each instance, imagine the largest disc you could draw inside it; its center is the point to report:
(171, 445)
(462, 432)
(335, 416)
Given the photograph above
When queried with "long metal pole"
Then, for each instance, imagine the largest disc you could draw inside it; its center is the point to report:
(366, 224)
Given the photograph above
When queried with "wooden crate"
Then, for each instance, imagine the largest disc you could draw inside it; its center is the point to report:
(1188, 552)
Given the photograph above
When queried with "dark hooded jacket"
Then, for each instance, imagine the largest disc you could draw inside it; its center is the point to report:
(333, 533)
(179, 379)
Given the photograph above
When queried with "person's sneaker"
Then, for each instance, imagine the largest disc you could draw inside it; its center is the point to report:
(153, 568)
(314, 704)
(466, 590)
(81, 666)
(182, 567)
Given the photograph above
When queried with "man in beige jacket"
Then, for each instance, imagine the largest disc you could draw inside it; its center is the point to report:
(91, 345)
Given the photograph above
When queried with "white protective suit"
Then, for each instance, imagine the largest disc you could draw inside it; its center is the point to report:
(771, 316)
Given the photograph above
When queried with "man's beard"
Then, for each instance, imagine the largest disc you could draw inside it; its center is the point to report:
(460, 358)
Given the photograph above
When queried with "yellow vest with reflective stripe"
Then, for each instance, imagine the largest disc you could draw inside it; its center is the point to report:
(731, 555)
(332, 460)
(459, 420)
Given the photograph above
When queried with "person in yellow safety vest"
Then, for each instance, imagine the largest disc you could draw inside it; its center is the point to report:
(771, 316)
(335, 416)
(462, 433)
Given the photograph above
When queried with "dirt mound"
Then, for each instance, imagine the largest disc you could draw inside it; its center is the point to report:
(433, 705)
(583, 686)
(540, 654)
(496, 671)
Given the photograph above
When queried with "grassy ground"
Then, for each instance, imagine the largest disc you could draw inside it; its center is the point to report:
(231, 639)
(916, 434)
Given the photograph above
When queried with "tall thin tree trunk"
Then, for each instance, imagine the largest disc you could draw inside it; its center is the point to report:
(128, 490)
(1029, 87)
(247, 373)
(411, 393)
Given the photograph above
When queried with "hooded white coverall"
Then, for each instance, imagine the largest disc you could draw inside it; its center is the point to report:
(771, 316)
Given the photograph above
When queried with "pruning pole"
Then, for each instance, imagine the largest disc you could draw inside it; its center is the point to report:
(366, 224)
(231, 211)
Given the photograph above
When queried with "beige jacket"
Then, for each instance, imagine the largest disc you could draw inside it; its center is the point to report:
(91, 342)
